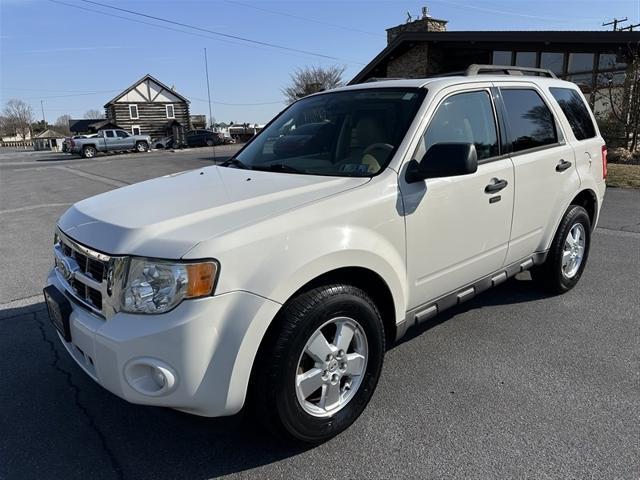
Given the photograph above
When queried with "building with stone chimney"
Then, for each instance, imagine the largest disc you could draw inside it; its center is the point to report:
(602, 63)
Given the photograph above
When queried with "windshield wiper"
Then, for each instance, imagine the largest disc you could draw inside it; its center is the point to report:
(278, 167)
(234, 162)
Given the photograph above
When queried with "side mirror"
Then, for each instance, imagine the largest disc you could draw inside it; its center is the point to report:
(444, 160)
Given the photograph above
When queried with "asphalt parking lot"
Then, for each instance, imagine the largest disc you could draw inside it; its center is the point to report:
(513, 384)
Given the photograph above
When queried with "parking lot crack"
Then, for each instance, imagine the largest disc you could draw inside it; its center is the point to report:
(117, 468)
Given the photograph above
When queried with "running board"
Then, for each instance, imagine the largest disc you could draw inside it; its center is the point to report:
(432, 308)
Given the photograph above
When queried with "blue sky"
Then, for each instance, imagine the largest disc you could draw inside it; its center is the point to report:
(75, 59)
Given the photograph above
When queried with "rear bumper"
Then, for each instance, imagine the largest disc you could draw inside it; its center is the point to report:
(204, 349)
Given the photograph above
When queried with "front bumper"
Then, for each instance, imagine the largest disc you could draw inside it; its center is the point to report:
(208, 345)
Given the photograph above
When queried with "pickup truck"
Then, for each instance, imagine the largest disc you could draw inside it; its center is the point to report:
(109, 141)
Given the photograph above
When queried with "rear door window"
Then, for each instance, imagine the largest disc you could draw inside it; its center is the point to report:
(576, 111)
(109, 134)
(531, 123)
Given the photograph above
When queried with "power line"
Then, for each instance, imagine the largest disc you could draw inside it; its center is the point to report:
(165, 27)
(215, 102)
(298, 17)
(71, 95)
(213, 32)
(513, 14)
(55, 91)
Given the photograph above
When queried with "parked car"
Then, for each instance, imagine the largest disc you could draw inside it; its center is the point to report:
(163, 143)
(109, 141)
(202, 138)
(280, 277)
(66, 143)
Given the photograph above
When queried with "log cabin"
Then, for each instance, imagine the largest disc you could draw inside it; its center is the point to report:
(149, 107)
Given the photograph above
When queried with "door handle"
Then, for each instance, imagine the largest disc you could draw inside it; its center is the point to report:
(495, 186)
(562, 166)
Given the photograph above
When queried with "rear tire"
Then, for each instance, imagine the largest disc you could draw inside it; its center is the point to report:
(568, 254)
(308, 343)
(89, 151)
(210, 143)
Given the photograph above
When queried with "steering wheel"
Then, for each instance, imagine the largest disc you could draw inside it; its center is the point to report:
(375, 146)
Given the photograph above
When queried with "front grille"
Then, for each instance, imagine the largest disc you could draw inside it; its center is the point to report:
(82, 272)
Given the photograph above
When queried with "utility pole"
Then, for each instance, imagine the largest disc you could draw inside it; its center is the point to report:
(206, 68)
(629, 28)
(615, 23)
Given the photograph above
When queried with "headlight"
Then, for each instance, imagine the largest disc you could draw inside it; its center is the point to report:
(156, 286)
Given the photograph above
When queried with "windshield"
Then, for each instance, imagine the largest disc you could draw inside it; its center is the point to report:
(350, 133)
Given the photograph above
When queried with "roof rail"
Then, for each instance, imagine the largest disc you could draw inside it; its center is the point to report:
(476, 69)
(383, 79)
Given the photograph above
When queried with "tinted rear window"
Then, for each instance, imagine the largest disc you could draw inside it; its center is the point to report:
(576, 112)
(531, 122)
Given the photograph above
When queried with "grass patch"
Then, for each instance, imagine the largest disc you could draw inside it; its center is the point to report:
(623, 176)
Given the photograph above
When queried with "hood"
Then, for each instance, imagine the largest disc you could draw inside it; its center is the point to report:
(167, 216)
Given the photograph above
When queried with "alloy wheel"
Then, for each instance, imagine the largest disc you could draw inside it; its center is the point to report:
(330, 372)
(573, 252)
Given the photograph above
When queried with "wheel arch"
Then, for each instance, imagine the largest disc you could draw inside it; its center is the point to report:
(588, 200)
(365, 279)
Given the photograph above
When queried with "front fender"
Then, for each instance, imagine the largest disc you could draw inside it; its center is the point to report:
(384, 261)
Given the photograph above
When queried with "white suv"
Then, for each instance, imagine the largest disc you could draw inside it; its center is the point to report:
(279, 278)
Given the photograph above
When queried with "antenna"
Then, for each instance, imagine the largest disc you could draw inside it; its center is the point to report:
(615, 23)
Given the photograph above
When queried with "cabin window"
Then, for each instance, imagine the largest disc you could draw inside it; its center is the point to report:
(133, 111)
(170, 111)
(135, 130)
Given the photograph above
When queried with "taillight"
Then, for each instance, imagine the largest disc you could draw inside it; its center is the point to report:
(604, 162)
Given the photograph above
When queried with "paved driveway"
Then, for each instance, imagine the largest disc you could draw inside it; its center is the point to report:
(513, 384)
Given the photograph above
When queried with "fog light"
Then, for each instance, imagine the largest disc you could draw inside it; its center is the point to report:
(151, 377)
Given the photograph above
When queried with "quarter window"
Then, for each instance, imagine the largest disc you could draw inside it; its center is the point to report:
(133, 111)
(170, 112)
(576, 112)
(531, 123)
(464, 118)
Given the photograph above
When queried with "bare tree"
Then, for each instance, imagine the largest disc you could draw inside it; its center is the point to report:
(308, 80)
(621, 122)
(94, 114)
(62, 124)
(18, 116)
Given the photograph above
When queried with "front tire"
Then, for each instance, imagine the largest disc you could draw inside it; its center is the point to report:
(568, 254)
(319, 365)
(142, 147)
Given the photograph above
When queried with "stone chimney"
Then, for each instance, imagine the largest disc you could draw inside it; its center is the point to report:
(423, 23)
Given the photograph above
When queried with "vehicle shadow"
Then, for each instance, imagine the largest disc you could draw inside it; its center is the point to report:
(57, 420)
(519, 289)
